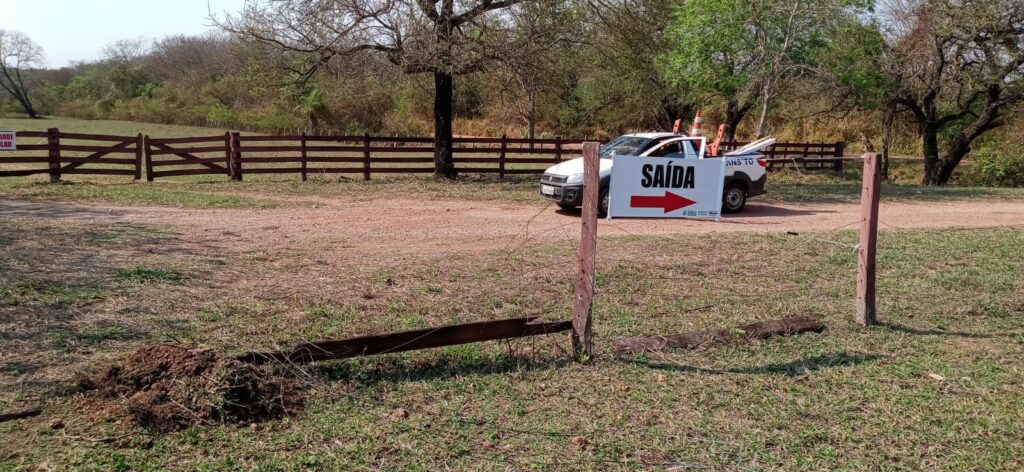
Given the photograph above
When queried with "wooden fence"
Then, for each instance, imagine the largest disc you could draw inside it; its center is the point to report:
(806, 156)
(234, 155)
(75, 153)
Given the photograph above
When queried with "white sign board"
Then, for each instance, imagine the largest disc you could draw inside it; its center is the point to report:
(8, 141)
(664, 187)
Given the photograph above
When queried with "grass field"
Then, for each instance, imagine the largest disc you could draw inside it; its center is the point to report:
(937, 386)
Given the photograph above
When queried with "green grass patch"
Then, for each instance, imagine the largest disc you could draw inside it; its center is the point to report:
(49, 293)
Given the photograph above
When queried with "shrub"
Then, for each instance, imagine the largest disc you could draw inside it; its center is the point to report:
(220, 115)
(1002, 168)
(104, 107)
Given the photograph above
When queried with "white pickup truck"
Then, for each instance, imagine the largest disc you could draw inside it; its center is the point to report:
(745, 173)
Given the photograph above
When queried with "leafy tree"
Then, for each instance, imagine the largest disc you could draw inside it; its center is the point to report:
(624, 86)
(714, 55)
(747, 51)
(958, 66)
(851, 67)
(444, 38)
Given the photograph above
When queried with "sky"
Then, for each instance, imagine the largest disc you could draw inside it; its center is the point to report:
(77, 30)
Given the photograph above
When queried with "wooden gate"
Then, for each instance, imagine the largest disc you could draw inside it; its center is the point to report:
(188, 156)
(75, 153)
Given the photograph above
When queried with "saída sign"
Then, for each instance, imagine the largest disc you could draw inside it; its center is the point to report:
(659, 187)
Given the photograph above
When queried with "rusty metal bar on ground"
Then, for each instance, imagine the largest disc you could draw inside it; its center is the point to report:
(16, 415)
(690, 340)
(408, 341)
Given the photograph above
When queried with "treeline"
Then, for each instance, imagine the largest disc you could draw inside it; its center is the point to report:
(934, 78)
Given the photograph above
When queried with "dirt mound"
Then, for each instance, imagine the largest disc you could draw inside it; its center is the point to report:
(170, 386)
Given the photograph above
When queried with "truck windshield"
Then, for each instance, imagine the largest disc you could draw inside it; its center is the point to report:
(625, 146)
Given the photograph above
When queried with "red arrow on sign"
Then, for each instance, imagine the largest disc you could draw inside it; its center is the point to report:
(668, 202)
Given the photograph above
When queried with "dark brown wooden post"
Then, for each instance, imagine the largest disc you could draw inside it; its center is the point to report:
(139, 143)
(53, 146)
(366, 156)
(303, 145)
(583, 303)
(236, 155)
(558, 149)
(866, 249)
(837, 165)
(149, 161)
(501, 156)
(229, 160)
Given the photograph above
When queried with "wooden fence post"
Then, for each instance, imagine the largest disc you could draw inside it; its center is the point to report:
(229, 160)
(866, 249)
(236, 155)
(837, 165)
(303, 144)
(139, 144)
(558, 149)
(807, 151)
(583, 302)
(53, 145)
(366, 156)
(501, 156)
(148, 160)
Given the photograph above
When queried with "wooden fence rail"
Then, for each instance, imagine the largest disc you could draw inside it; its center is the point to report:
(75, 153)
(233, 155)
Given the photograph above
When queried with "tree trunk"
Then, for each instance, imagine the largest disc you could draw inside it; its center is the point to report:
(672, 109)
(443, 90)
(22, 97)
(734, 114)
(29, 109)
(762, 122)
(888, 122)
(531, 121)
(930, 149)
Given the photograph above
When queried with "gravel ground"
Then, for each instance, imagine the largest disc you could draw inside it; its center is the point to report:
(411, 226)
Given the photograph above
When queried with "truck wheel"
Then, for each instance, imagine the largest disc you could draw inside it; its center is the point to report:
(602, 203)
(734, 199)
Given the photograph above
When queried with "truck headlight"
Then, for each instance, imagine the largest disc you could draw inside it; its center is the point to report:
(574, 179)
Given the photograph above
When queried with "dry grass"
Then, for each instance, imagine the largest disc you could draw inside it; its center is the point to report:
(851, 398)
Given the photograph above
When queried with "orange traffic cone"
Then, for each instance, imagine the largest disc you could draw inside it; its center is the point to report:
(697, 130)
(713, 147)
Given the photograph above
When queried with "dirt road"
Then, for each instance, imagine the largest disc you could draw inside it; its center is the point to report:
(417, 225)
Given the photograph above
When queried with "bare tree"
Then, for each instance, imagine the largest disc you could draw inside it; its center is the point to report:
(17, 53)
(958, 66)
(440, 37)
(544, 34)
(191, 60)
(126, 51)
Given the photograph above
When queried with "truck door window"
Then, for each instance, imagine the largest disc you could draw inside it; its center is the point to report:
(626, 146)
(666, 150)
(684, 150)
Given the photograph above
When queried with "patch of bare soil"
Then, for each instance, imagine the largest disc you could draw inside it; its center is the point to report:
(170, 386)
(345, 228)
